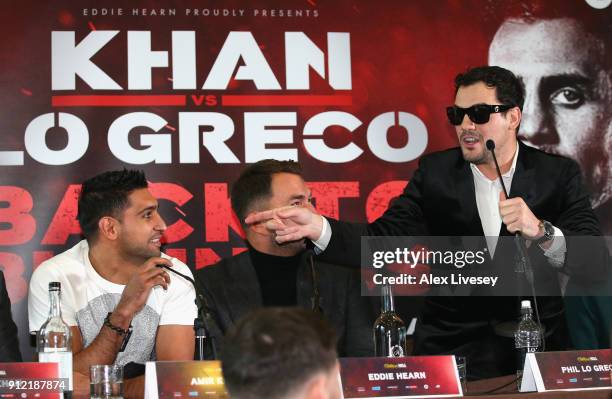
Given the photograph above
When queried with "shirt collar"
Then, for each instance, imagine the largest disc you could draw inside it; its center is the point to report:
(508, 174)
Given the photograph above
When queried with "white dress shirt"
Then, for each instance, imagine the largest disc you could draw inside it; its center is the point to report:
(487, 201)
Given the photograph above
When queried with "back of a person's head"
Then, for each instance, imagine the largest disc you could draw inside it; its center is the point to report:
(106, 194)
(273, 353)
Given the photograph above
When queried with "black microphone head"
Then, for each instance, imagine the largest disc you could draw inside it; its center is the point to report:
(490, 145)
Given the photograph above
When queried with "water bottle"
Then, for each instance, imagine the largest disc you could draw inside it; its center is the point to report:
(389, 329)
(527, 338)
(54, 340)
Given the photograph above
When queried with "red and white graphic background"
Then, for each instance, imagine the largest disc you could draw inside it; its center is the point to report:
(402, 59)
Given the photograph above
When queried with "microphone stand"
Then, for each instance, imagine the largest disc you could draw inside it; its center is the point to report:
(524, 262)
(201, 328)
(316, 295)
(200, 323)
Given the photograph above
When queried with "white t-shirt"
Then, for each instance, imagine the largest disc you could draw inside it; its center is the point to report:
(86, 299)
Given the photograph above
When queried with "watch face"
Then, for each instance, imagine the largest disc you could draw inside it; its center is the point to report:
(549, 230)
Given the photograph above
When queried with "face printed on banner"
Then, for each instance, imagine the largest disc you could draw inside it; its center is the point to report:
(568, 102)
(141, 227)
(473, 136)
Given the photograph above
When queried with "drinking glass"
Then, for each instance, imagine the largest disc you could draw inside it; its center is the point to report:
(106, 381)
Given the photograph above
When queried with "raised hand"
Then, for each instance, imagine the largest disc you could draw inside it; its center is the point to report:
(517, 216)
(137, 290)
(290, 223)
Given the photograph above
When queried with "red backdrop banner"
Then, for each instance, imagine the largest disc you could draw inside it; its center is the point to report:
(192, 91)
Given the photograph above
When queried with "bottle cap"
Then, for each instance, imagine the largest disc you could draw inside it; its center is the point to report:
(55, 286)
(526, 304)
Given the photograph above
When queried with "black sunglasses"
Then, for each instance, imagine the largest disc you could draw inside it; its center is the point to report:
(478, 113)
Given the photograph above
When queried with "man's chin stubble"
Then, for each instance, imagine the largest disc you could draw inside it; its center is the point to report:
(482, 159)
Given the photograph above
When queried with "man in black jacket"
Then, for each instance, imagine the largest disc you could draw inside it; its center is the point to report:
(269, 274)
(9, 344)
(457, 192)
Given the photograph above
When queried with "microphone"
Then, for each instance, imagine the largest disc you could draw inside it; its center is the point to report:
(524, 261)
(491, 146)
(186, 277)
(316, 295)
(200, 324)
(524, 264)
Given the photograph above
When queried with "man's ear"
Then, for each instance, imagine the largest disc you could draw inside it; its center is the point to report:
(514, 115)
(324, 385)
(109, 227)
(316, 387)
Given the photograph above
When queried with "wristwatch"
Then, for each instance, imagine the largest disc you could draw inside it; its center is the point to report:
(549, 231)
(125, 333)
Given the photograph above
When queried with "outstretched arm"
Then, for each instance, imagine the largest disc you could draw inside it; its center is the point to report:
(290, 223)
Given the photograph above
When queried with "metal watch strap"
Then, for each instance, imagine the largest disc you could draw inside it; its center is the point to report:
(125, 333)
(549, 231)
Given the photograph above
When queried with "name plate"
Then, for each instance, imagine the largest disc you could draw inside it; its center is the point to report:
(30, 379)
(571, 370)
(202, 379)
(400, 377)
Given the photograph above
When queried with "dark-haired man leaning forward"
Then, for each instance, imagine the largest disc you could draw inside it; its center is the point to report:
(269, 274)
(110, 283)
(457, 193)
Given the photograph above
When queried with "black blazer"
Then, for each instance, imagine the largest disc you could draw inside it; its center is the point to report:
(9, 344)
(232, 289)
(440, 201)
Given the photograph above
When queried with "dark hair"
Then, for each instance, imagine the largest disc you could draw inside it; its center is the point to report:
(272, 351)
(508, 87)
(106, 195)
(255, 182)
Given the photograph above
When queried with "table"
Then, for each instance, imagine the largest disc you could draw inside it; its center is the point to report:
(479, 389)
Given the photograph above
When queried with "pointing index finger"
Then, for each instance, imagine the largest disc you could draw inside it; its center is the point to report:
(258, 217)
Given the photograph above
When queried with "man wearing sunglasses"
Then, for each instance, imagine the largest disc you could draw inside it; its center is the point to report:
(457, 192)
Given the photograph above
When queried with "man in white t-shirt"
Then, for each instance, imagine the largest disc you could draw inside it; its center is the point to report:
(110, 282)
